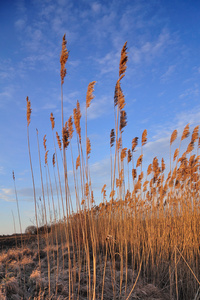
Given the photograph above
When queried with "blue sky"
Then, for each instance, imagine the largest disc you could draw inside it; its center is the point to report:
(161, 86)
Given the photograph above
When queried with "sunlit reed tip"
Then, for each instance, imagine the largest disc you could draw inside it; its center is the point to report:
(112, 137)
(186, 132)
(123, 153)
(53, 160)
(90, 91)
(63, 59)
(123, 120)
(144, 137)
(134, 143)
(70, 127)
(139, 161)
(44, 142)
(88, 147)
(52, 121)
(77, 117)
(123, 61)
(78, 162)
(173, 136)
(46, 157)
(119, 98)
(129, 156)
(28, 111)
(58, 141)
(195, 134)
(65, 136)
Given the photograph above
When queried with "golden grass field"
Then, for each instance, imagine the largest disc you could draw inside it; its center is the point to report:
(141, 242)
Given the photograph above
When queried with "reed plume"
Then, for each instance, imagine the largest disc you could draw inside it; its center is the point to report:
(129, 155)
(77, 117)
(123, 120)
(53, 160)
(90, 95)
(112, 137)
(52, 121)
(134, 143)
(190, 147)
(65, 136)
(46, 157)
(123, 61)
(70, 127)
(172, 139)
(173, 136)
(176, 154)
(162, 165)
(88, 147)
(123, 153)
(28, 113)
(119, 98)
(186, 132)
(44, 142)
(139, 161)
(78, 162)
(58, 141)
(63, 59)
(195, 134)
(149, 169)
(144, 137)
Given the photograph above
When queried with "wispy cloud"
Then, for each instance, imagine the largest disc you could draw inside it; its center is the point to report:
(108, 63)
(20, 24)
(6, 94)
(1, 170)
(96, 7)
(170, 70)
(100, 107)
(189, 93)
(149, 50)
(7, 194)
(49, 106)
(6, 69)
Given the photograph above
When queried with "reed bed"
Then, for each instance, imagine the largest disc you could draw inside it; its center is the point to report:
(141, 242)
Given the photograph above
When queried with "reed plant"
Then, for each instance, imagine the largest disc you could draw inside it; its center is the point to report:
(143, 238)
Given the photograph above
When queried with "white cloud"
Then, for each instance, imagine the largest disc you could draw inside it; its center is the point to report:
(20, 24)
(48, 106)
(7, 191)
(109, 63)
(99, 107)
(168, 72)
(191, 116)
(6, 94)
(7, 194)
(96, 7)
(21, 6)
(190, 93)
(149, 49)
(6, 69)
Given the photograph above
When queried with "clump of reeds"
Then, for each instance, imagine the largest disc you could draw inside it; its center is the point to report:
(143, 236)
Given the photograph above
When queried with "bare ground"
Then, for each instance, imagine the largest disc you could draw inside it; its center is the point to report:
(20, 277)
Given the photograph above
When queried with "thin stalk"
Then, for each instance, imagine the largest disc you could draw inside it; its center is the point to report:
(34, 194)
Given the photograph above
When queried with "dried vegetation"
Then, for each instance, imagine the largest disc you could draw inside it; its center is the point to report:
(141, 242)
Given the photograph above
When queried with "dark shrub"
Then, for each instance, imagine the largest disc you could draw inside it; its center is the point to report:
(31, 229)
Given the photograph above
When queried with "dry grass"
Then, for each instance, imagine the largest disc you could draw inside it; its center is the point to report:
(141, 242)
